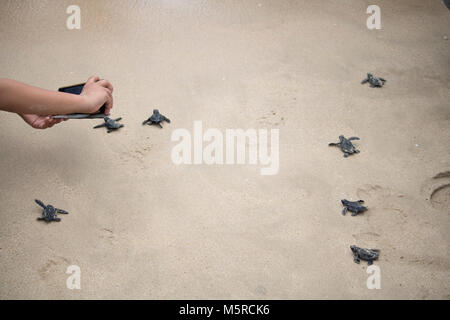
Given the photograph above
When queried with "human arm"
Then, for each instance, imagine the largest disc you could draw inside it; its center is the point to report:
(24, 99)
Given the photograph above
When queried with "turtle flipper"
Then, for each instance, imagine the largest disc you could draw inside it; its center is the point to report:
(369, 262)
(353, 138)
(100, 125)
(167, 119)
(333, 144)
(39, 202)
(159, 124)
(344, 211)
(61, 211)
(118, 119)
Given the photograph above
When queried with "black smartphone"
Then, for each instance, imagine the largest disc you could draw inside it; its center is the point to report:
(76, 89)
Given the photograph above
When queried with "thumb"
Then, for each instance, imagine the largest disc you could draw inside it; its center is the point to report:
(92, 79)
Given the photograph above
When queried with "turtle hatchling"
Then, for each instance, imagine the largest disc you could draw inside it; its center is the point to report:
(50, 212)
(368, 255)
(374, 81)
(110, 124)
(346, 145)
(156, 118)
(355, 207)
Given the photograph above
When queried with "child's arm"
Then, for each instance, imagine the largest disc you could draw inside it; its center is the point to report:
(24, 99)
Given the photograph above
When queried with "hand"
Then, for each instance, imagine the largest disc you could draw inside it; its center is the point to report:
(40, 122)
(96, 93)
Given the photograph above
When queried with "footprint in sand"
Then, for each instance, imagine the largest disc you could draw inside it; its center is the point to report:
(109, 235)
(437, 191)
(271, 119)
(440, 198)
(378, 197)
(52, 266)
(373, 192)
(437, 263)
(366, 236)
(137, 153)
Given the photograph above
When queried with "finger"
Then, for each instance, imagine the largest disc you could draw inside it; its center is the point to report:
(106, 84)
(42, 125)
(92, 79)
(46, 123)
(109, 104)
(108, 91)
(50, 122)
(109, 101)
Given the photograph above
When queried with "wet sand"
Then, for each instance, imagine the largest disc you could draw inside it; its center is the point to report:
(141, 227)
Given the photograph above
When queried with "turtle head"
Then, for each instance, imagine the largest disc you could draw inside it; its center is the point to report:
(353, 248)
(341, 138)
(369, 75)
(155, 111)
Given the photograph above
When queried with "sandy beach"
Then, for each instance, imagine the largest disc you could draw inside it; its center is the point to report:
(141, 227)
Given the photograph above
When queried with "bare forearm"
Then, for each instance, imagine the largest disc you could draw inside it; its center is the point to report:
(25, 99)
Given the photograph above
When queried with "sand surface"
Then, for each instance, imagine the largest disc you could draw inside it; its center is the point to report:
(142, 227)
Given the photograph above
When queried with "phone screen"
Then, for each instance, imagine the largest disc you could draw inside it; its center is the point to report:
(75, 89)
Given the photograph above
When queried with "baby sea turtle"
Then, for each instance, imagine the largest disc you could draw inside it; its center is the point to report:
(346, 145)
(354, 207)
(49, 213)
(374, 81)
(156, 118)
(110, 124)
(368, 255)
